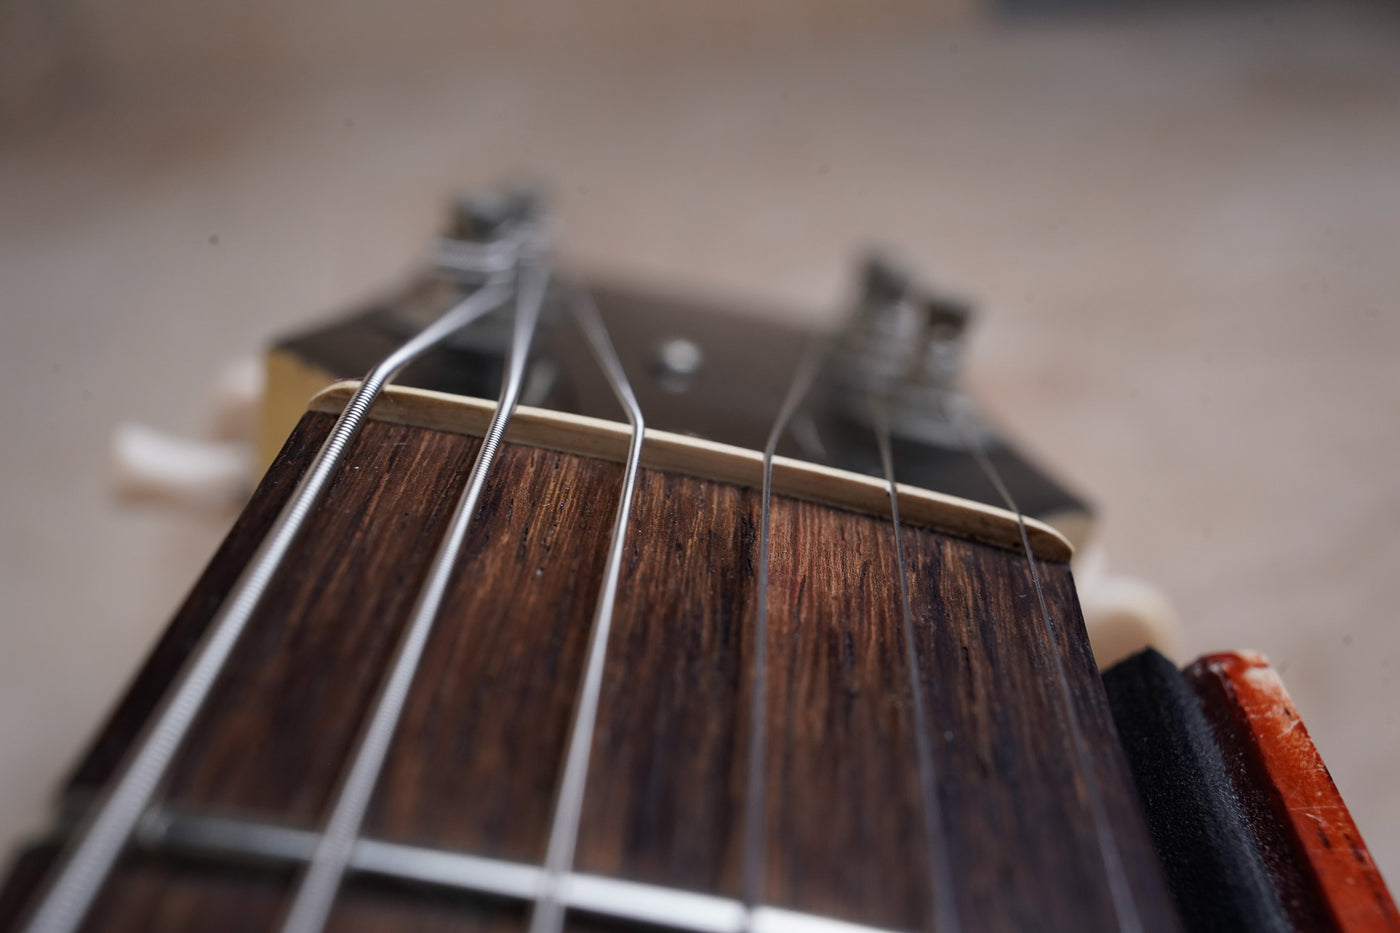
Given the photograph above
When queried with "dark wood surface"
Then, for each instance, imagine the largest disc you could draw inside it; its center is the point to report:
(476, 764)
(664, 801)
(276, 731)
(477, 757)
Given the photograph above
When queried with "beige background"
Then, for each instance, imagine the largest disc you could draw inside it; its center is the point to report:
(1183, 226)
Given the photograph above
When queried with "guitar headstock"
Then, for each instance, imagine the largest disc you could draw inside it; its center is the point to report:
(712, 369)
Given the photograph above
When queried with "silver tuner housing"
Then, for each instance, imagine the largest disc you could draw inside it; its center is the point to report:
(486, 233)
(903, 350)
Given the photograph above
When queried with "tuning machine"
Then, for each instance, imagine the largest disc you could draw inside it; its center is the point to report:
(899, 359)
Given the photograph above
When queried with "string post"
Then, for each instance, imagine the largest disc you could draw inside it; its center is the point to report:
(904, 344)
(486, 232)
(481, 216)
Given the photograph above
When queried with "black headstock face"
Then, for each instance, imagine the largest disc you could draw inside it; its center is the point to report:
(716, 370)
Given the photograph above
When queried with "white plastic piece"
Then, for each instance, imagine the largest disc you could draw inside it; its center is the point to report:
(150, 465)
(238, 394)
(1122, 614)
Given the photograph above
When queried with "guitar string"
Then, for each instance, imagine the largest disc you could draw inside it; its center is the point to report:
(317, 890)
(64, 906)
(942, 890)
(548, 915)
(1124, 905)
(101, 841)
(754, 850)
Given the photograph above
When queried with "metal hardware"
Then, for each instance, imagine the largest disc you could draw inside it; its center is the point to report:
(720, 371)
(755, 851)
(942, 887)
(86, 866)
(548, 916)
(1125, 906)
(220, 839)
(905, 344)
(316, 891)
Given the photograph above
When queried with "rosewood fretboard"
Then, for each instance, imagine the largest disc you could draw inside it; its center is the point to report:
(476, 763)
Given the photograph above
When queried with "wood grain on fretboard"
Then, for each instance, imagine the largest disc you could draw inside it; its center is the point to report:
(476, 762)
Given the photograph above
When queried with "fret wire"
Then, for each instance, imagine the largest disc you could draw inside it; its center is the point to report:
(317, 889)
(1124, 904)
(225, 841)
(754, 851)
(548, 915)
(942, 889)
(86, 867)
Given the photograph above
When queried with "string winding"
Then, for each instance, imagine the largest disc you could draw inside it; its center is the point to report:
(101, 840)
(317, 889)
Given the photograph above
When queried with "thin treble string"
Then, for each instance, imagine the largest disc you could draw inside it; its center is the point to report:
(548, 916)
(754, 850)
(941, 884)
(1124, 905)
(316, 893)
(101, 842)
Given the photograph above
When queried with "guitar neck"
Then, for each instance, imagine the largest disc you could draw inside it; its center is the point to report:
(1032, 819)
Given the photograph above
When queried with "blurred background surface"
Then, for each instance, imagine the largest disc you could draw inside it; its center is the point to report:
(1181, 222)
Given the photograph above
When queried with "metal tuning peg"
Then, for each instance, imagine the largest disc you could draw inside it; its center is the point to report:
(485, 234)
(483, 216)
(486, 230)
(903, 348)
